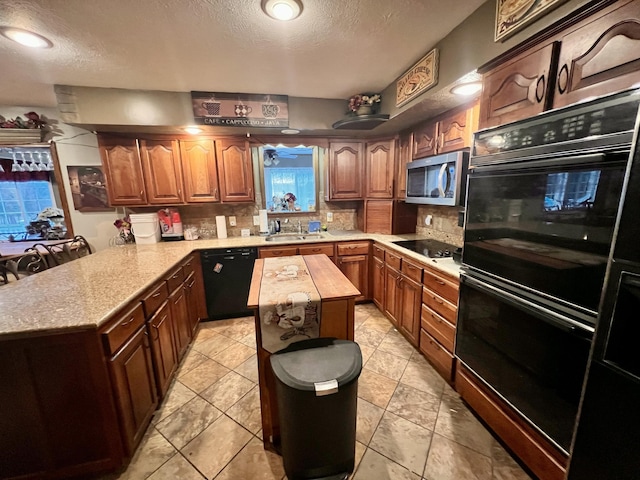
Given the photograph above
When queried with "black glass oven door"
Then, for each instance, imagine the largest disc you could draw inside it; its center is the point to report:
(546, 225)
(533, 358)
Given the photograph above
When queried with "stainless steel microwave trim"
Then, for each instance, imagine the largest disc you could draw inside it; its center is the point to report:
(545, 314)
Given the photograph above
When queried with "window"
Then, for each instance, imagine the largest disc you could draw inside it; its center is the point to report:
(289, 177)
(26, 188)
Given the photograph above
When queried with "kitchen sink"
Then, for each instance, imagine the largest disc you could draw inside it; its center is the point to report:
(292, 237)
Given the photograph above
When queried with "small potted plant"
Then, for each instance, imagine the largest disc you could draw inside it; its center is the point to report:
(364, 103)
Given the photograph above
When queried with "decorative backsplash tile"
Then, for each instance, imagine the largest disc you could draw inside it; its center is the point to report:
(444, 225)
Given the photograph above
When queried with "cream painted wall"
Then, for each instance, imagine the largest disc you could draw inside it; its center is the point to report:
(75, 146)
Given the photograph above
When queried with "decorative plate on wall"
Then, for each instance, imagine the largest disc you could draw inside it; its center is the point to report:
(513, 15)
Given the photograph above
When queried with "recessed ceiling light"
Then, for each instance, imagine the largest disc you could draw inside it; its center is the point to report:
(290, 131)
(25, 37)
(193, 130)
(282, 9)
(467, 88)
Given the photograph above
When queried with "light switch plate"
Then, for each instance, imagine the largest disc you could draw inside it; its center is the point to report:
(329, 216)
(232, 221)
(256, 219)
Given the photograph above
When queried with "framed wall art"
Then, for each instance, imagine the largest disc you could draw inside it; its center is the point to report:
(513, 15)
(88, 188)
(422, 76)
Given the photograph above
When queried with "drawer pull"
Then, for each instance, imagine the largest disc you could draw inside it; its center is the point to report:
(175, 276)
(439, 282)
(155, 295)
(128, 322)
(437, 300)
(435, 344)
(191, 284)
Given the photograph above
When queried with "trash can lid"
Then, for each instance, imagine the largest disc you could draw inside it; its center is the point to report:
(304, 364)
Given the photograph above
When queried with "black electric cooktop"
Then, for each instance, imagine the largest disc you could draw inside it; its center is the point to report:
(428, 248)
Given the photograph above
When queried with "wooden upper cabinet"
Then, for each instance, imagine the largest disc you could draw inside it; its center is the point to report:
(199, 170)
(601, 56)
(425, 140)
(405, 155)
(123, 169)
(235, 170)
(380, 165)
(455, 131)
(345, 171)
(517, 89)
(162, 171)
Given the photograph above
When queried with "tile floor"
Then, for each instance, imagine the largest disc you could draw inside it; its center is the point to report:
(411, 424)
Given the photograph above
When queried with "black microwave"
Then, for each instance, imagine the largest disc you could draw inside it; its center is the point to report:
(438, 180)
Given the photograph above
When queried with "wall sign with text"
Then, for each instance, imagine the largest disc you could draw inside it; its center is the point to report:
(513, 15)
(422, 76)
(240, 109)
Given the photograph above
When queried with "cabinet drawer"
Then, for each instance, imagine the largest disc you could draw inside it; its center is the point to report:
(439, 305)
(353, 248)
(412, 271)
(189, 266)
(123, 328)
(175, 279)
(393, 260)
(152, 301)
(326, 249)
(378, 252)
(443, 287)
(437, 355)
(443, 331)
(278, 252)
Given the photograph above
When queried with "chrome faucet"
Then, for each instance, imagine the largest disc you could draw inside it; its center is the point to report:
(299, 225)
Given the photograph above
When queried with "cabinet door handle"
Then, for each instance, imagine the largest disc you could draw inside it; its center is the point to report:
(191, 284)
(563, 78)
(128, 322)
(141, 192)
(155, 295)
(250, 191)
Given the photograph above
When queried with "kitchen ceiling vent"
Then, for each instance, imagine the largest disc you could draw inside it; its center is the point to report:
(361, 122)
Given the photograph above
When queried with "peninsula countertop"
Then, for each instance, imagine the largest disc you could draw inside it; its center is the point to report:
(85, 293)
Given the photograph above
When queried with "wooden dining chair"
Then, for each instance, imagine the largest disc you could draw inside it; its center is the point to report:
(66, 251)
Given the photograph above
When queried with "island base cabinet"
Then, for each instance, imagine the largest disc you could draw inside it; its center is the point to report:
(134, 388)
(163, 347)
(57, 417)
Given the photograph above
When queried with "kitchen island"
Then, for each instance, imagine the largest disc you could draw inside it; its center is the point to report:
(326, 310)
(77, 338)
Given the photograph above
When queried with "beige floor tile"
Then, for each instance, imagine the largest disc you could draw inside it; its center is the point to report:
(203, 334)
(188, 421)
(422, 376)
(378, 322)
(246, 411)
(177, 395)
(249, 368)
(397, 345)
(235, 355)
(377, 467)
(367, 420)
(176, 468)
(205, 374)
(418, 407)
(240, 328)
(153, 452)
(386, 364)
(255, 463)
(366, 351)
(457, 423)
(214, 345)
(376, 388)
(360, 317)
(368, 336)
(210, 451)
(402, 441)
(249, 339)
(192, 359)
(227, 391)
(449, 460)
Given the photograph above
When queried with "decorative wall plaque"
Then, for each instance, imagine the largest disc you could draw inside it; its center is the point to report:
(513, 15)
(240, 109)
(422, 76)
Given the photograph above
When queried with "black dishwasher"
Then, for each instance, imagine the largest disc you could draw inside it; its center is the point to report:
(227, 276)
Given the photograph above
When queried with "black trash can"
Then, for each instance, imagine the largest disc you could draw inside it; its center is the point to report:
(316, 391)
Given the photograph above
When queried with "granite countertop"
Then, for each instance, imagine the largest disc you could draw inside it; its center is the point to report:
(85, 293)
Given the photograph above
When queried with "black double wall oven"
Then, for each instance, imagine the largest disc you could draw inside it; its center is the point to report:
(542, 201)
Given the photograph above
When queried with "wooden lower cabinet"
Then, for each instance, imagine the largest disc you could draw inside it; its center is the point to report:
(356, 269)
(181, 322)
(134, 388)
(163, 347)
(378, 282)
(410, 303)
(392, 294)
(544, 460)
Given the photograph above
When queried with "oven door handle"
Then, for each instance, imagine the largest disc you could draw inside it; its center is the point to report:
(553, 318)
(537, 162)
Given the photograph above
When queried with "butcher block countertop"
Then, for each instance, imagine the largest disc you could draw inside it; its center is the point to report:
(86, 293)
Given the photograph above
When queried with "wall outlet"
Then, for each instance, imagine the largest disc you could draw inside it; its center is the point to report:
(232, 221)
(329, 216)
(256, 219)
(428, 219)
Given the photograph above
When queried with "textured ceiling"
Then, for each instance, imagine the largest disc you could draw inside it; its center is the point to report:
(334, 49)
